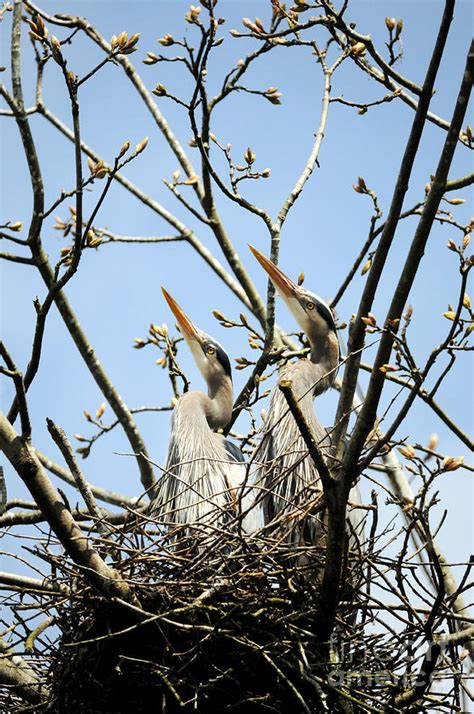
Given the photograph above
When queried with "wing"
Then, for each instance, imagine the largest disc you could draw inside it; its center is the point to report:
(287, 474)
(193, 490)
(243, 487)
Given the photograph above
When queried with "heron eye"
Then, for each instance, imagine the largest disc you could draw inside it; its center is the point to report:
(210, 350)
(310, 305)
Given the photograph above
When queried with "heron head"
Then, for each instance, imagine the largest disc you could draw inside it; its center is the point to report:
(209, 355)
(311, 312)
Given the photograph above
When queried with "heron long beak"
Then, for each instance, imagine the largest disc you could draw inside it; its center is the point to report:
(285, 285)
(190, 332)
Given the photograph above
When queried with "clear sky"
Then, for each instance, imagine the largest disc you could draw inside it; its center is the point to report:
(116, 292)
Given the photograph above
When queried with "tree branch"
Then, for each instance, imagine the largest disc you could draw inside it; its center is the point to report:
(16, 674)
(62, 442)
(26, 464)
(357, 332)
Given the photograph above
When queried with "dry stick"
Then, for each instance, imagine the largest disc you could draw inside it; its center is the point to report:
(103, 494)
(423, 678)
(419, 377)
(250, 292)
(308, 437)
(20, 392)
(403, 491)
(334, 559)
(3, 492)
(62, 442)
(183, 230)
(120, 409)
(32, 585)
(25, 518)
(357, 332)
(405, 497)
(426, 397)
(16, 674)
(456, 184)
(383, 77)
(26, 464)
(367, 415)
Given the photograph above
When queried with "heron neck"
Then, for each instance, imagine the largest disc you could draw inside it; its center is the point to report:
(218, 403)
(324, 359)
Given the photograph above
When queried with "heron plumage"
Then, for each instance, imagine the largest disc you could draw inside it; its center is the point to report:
(204, 487)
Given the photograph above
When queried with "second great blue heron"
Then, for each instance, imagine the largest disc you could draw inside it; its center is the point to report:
(289, 476)
(203, 487)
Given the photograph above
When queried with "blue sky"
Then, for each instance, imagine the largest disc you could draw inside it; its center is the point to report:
(116, 293)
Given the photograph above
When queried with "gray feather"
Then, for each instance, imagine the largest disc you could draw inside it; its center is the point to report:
(200, 489)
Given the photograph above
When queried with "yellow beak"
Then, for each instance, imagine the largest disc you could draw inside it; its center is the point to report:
(188, 329)
(281, 281)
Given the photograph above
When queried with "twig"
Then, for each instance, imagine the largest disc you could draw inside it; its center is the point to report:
(62, 442)
(327, 480)
(357, 332)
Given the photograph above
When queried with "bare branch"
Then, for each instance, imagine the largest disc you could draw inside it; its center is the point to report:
(103, 494)
(62, 442)
(19, 676)
(26, 464)
(367, 415)
(356, 336)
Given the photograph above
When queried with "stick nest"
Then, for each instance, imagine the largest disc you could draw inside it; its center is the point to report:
(226, 628)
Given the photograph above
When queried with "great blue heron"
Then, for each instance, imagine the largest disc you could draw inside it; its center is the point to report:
(288, 474)
(203, 487)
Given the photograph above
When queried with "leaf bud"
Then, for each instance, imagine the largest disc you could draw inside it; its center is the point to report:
(151, 58)
(407, 451)
(455, 201)
(388, 368)
(366, 267)
(433, 442)
(160, 90)
(141, 146)
(252, 26)
(56, 50)
(358, 49)
(451, 464)
(123, 149)
(166, 40)
(249, 156)
(100, 411)
(192, 16)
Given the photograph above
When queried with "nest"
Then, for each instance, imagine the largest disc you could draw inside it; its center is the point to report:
(228, 627)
